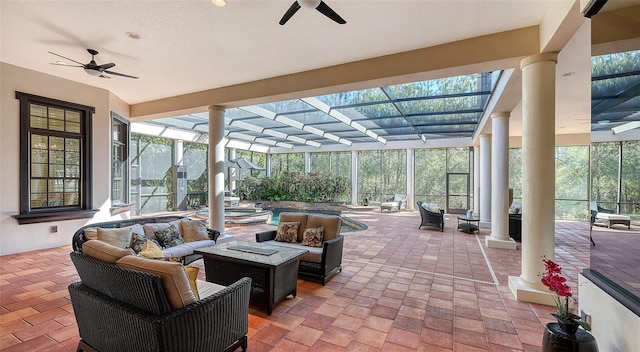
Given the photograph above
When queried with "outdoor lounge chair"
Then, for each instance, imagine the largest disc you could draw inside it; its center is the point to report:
(608, 217)
(431, 216)
(397, 203)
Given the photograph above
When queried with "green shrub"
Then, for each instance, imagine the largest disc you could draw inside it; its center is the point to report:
(313, 187)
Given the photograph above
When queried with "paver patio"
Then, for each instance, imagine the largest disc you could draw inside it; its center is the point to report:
(401, 289)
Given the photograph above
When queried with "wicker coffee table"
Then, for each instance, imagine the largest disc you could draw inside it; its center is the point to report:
(273, 270)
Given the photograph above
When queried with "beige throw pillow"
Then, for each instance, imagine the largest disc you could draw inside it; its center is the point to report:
(174, 278)
(91, 233)
(194, 231)
(103, 251)
(120, 238)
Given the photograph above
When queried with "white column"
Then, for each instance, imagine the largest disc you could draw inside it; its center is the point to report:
(268, 166)
(411, 171)
(538, 176)
(476, 180)
(216, 168)
(485, 180)
(178, 152)
(499, 237)
(232, 171)
(179, 183)
(307, 162)
(354, 177)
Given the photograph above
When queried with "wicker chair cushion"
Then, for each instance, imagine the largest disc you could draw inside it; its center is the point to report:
(331, 224)
(177, 251)
(120, 238)
(206, 289)
(516, 207)
(313, 237)
(103, 251)
(432, 207)
(200, 244)
(314, 254)
(288, 231)
(194, 231)
(173, 275)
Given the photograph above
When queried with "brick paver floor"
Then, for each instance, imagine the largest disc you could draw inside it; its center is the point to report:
(401, 289)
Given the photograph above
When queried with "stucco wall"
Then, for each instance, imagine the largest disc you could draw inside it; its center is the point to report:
(16, 238)
(615, 327)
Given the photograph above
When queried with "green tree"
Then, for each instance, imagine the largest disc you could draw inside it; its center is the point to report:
(572, 182)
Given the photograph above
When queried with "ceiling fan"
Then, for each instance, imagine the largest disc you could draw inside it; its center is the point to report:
(92, 68)
(311, 4)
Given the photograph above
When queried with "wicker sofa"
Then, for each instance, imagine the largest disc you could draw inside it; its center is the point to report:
(320, 263)
(183, 251)
(129, 303)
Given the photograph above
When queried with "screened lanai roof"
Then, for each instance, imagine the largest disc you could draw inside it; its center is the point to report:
(420, 111)
(615, 90)
(440, 108)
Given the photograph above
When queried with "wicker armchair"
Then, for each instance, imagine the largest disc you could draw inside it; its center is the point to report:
(120, 309)
(429, 218)
(321, 263)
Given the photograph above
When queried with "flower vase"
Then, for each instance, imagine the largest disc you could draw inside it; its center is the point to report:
(568, 326)
(555, 339)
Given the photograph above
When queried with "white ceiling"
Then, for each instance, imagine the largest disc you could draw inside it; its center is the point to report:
(190, 45)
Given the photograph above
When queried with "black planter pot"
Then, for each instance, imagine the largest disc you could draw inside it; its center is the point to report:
(555, 339)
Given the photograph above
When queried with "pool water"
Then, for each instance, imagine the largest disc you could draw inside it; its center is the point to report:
(348, 224)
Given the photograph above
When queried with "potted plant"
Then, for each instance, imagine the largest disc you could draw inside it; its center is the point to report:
(562, 336)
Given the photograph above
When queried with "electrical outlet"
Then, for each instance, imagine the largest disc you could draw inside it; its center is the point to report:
(54, 229)
(585, 316)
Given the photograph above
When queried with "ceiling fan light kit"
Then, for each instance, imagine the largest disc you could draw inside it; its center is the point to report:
(92, 72)
(92, 68)
(319, 5)
(219, 3)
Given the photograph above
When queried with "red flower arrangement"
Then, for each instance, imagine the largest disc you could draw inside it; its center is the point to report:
(557, 284)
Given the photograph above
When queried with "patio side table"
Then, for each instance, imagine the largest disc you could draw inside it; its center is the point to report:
(469, 224)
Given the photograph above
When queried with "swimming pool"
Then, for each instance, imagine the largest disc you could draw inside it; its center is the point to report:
(348, 224)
